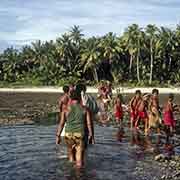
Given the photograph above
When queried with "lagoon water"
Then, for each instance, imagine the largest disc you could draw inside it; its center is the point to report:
(29, 153)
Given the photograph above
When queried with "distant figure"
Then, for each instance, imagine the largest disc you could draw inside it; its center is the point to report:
(142, 109)
(105, 90)
(154, 111)
(118, 110)
(102, 89)
(168, 117)
(133, 103)
(108, 90)
(103, 109)
(76, 118)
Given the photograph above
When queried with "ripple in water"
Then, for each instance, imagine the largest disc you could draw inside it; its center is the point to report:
(29, 152)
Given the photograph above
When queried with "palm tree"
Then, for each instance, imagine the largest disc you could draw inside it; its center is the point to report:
(152, 54)
(133, 37)
(64, 48)
(110, 50)
(90, 57)
(177, 47)
(109, 46)
(11, 64)
(76, 37)
(76, 34)
(168, 40)
(27, 55)
(151, 34)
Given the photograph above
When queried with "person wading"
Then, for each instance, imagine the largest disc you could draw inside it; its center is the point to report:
(76, 118)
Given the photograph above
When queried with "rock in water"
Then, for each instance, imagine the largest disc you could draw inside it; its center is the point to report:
(160, 157)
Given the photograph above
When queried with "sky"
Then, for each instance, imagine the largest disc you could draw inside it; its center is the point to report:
(22, 22)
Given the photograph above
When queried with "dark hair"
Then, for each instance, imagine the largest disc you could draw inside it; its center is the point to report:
(155, 91)
(75, 95)
(146, 95)
(138, 92)
(171, 96)
(119, 96)
(66, 89)
(81, 87)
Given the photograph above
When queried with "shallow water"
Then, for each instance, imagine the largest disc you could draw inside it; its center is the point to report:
(29, 152)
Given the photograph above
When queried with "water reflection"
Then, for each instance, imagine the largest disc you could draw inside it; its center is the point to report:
(29, 152)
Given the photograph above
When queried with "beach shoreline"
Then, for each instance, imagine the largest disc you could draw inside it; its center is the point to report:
(124, 90)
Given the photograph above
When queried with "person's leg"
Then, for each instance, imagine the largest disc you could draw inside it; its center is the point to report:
(70, 149)
(150, 122)
(117, 120)
(131, 123)
(167, 134)
(80, 155)
(120, 122)
(71, 152)
(132, 120)
(92, 122)
(146, 126)
(158, 130)
(101, 117)
(136, 122)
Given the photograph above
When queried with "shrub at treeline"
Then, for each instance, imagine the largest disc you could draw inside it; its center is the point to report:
(143, 56)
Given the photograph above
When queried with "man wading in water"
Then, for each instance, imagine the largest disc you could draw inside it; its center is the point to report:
(63, 101)
(76, 118)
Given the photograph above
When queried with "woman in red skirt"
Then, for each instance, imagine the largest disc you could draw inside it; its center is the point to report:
(118, 111)
(168, 117)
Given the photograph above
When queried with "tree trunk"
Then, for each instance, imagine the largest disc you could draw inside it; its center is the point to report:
(138, 76)
(151, 67)
(170, 61)
(95, 75)
(138, 54)
(130, 63)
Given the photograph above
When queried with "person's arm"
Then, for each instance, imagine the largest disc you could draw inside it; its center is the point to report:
(89, 126)
(114, 108)
(131, 104)
(60, 104)
(170, 107)
(60, 127)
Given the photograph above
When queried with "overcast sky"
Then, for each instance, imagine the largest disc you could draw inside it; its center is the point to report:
(24, 21)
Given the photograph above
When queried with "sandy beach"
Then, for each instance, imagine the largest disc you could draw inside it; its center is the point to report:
(125, 90)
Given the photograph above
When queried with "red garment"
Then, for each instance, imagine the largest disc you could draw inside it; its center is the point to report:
(168, 118)
(70, 102)
(133, 115)
(118, 111)
(143, 115)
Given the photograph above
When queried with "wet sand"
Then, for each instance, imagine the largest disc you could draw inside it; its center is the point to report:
(23, 106)
(20, 100)
(26, 108)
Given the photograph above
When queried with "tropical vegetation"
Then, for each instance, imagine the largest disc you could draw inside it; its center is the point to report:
(142, 56)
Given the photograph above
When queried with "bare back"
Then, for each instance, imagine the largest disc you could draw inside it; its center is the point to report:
(63, 102)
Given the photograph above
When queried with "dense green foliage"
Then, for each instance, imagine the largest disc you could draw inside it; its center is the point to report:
(143, 56)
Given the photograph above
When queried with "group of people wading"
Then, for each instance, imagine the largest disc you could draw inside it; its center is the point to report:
(79, 110)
